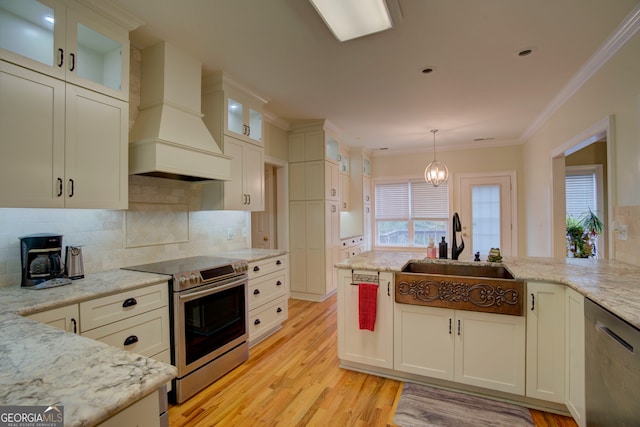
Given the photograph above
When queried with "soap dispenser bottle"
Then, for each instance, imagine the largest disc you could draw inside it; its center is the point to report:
(443, 249)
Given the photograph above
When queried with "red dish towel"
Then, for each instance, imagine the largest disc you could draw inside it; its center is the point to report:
(367, 299)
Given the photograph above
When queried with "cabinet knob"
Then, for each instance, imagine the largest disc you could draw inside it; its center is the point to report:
(278, 262)
(257, 322)
(131, 340)
(279, 310)
(256, 268)
(256, 292)
(278, 283)
(129, 302)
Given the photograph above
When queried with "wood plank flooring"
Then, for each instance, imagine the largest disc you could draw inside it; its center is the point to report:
(293, 379)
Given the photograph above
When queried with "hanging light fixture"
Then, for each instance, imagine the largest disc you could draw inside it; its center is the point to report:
(436, 172)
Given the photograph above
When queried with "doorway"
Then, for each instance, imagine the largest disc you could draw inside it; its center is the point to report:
(591, 150)
(487, 211)
(269, 228)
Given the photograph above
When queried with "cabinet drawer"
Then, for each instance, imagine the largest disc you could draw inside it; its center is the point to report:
(148, 333)
(265, 318)
(109, 309)
(265, 288)
(266, 266)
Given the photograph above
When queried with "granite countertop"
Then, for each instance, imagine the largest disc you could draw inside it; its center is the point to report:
(253, 254)
(612, 284)
(43, 365)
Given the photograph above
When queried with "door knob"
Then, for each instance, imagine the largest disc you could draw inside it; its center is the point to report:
(265, 238)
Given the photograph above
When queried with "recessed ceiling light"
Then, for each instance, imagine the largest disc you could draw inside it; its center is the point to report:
(383, 148)
(525, 52)
(489, 138)
(428, 70)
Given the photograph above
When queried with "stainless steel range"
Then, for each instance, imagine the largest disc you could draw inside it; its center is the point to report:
(209, 321)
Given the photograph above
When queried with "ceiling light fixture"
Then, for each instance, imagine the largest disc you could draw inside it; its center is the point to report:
(350, 19)
(436, 172)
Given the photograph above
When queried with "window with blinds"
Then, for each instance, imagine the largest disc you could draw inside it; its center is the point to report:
(581, 193)
(410, 213)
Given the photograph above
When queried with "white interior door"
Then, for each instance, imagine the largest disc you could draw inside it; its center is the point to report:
(263, 223)
(487, 214)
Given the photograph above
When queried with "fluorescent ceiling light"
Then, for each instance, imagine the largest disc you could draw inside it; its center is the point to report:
(349, 19)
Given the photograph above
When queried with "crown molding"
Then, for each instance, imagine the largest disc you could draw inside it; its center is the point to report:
(276, 121)
(627, 29)
(114, 13)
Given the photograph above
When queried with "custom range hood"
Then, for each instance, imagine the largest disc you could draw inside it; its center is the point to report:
(169, 138)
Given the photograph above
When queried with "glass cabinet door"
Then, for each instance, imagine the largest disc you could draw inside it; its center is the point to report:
(255, 124)
(234, 116)
(98, 54)
(32, 35)
(332, 152)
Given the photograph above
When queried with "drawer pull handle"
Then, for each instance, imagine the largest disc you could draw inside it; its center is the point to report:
(278, 283)
(256, 268)
(278, 262)
(256, 292)
(279, 310)
(75, 325)
(60, 57)
(257, 322)
(131, 340)
(533, 301)
(129, 302)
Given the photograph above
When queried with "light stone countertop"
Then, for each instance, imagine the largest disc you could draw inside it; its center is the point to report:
(613, 285)
(43, 365)
(253, 254)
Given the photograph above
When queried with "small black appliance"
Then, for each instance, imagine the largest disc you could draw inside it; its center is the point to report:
(41, 256)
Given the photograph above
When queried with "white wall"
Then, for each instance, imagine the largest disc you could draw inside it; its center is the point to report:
(613, 90)
(481, 160)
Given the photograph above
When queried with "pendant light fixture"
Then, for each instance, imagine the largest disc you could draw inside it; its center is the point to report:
(436, 172)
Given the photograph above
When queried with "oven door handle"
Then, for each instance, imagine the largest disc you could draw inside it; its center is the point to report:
(211, 290)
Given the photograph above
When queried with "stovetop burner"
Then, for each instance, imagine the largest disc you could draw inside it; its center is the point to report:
(194, 271)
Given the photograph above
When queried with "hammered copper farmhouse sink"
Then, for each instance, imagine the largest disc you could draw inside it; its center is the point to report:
(486, 288)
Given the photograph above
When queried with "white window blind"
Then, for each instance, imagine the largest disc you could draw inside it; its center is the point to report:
(428, 201)
(580, 194)
(392, 201)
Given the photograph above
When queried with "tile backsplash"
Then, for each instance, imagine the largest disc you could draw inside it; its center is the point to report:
(163, 222)
(628, 250)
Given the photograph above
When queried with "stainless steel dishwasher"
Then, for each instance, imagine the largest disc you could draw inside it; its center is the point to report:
(612, 382)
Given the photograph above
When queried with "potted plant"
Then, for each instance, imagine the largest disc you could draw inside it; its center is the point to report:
(582, 233)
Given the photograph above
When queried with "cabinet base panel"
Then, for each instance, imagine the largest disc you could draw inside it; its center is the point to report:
(528, 402)
(311, 297)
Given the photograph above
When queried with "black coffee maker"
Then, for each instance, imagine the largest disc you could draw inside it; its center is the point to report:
(41, 256)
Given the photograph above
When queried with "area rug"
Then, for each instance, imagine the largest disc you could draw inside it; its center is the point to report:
(421, 406)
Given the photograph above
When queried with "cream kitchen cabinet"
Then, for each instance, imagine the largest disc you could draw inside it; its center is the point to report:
(344, 160)
(245, 190)
(65, 318)
(358, 222)
(351, 247)
(480, 349)
(314, 248)
(268, 297)
(345, 193)
(373, 348)
(546, 341)
(77, 155)
(231, 109)
(314, 202)
(68, 41)
(314, 141)
(136, 320)
(575, 356)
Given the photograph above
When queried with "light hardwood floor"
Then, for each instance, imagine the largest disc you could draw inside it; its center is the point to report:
(293, 378)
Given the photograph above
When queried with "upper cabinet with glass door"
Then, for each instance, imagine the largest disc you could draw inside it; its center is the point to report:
(68, 41)
(240, 110)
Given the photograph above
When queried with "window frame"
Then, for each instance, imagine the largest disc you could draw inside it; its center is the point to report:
(409, 219)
